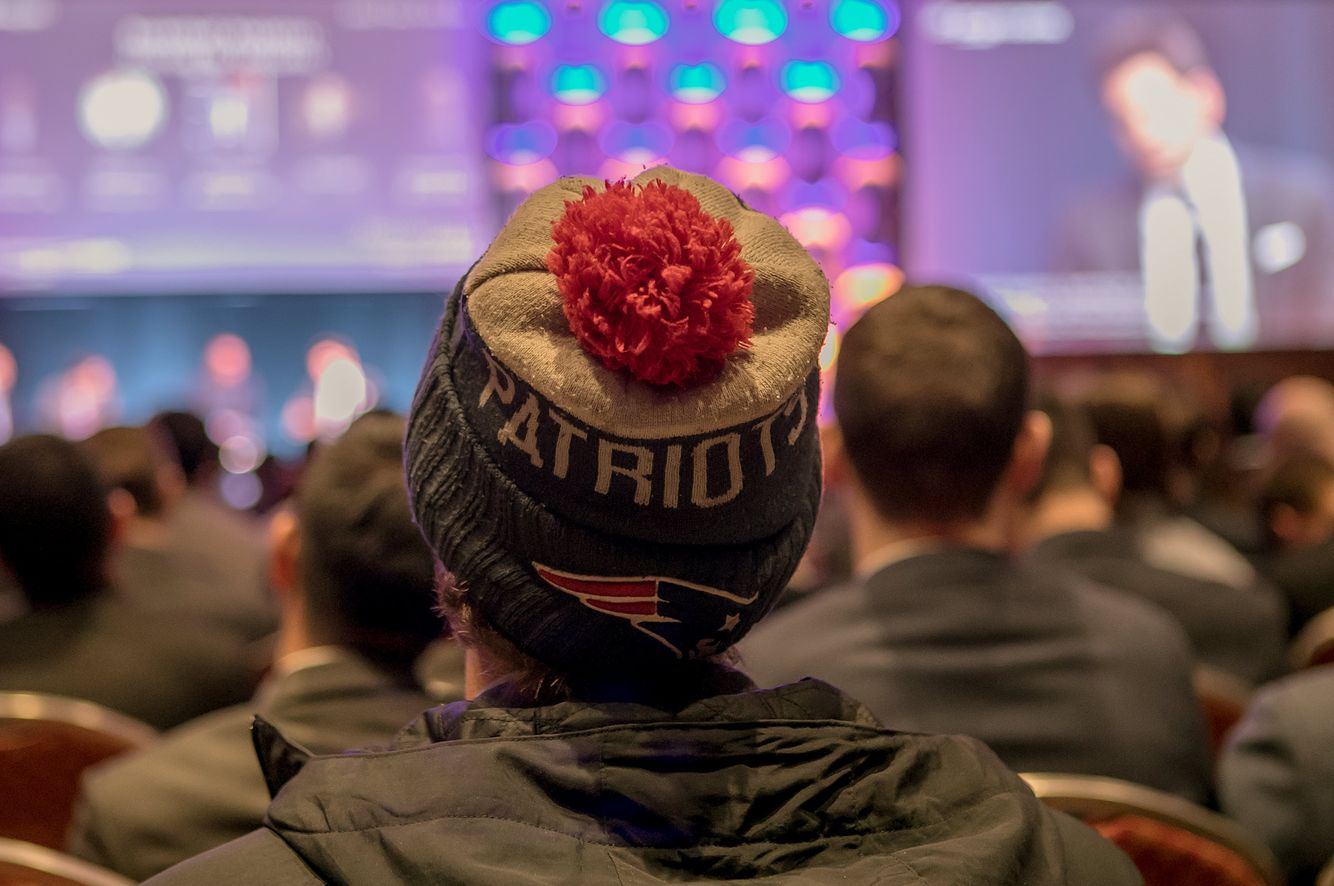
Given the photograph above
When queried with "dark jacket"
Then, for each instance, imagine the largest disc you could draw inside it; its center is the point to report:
(1239, 630)
(202, 786)
(1277, 775)
(799, 784)
(161, 668)
(1053, 674)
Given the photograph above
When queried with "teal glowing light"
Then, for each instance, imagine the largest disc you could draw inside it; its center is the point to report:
(865, 21)
(810, 82)
(577, 84)
(752, 22)
(633, 22)
(696, 84)
(519, 22)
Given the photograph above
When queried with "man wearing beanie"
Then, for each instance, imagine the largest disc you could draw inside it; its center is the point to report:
(613, 454)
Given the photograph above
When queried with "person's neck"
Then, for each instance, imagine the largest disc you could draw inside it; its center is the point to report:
(1071, 510)
(151, 533)
(874, 536)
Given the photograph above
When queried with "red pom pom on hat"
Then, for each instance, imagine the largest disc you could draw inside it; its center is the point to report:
(652, 284)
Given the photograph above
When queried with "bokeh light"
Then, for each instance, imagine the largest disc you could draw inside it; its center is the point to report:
(860, 286)
(818, 227)
(696, 84)
(227, 360)
(752, 22)
(865, 21)
(633, 22)
(518, 22)
(9, 370)
(521, 143)
(578, 84)
(810, 81)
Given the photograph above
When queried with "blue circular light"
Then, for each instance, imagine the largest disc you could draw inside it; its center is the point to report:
(518, 22)
(696, 84)
(865, 21)
(521, 144)
(633, 22)
(578, 84)
(752, 22)
(810, 82)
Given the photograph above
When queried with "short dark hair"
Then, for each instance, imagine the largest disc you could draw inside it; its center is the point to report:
(1128, 414)
(1150, 32)
(131, 459)
(367, 573)
(189, 439)
(1071, 449)
(930, 392)
(1296, 481)
(55, 526)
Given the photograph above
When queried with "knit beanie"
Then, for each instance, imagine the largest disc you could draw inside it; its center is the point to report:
(613, 444)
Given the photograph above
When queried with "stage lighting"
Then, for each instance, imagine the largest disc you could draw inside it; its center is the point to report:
(633, 22)
(752, 22)
(865, 21)
(810, 82)
(578, 84)
(518, 22)
(696, 84)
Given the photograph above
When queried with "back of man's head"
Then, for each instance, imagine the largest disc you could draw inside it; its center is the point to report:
(1070, 454)
(55, 528)
(1296, 502)
(1129, 415)
(366, 574)
(195, 452)
(930, 392)
(136, 461)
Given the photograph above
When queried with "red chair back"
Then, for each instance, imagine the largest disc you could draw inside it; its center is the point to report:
(26, 864)
(1173, 842)
(46, 742)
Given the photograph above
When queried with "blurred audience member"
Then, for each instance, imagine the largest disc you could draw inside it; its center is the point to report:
(607, 740)
(1277, 775)
(78, 637)
(943, 631)
(157, 570)
(1297, 515)
(201, 523)
(1070, 527)
(355, 584)
(1297, 415)
(1130, 415)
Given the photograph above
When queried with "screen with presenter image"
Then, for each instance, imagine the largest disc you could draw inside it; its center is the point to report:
(1127, 176)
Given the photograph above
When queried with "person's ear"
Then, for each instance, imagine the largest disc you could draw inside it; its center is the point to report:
(121, 506)
(1105, 473)
(1287, 525)
(1029, 456)
(284, 553)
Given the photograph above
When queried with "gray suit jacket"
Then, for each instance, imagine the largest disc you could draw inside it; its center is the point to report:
(202, 785)
(1277, 775)
(1238, 630)
(1053, 674)
(162, 668)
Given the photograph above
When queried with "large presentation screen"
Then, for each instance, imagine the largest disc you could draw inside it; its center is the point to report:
(1127, 176)
(177, 146)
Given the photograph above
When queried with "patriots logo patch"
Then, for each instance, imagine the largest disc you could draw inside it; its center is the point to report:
(652, 604)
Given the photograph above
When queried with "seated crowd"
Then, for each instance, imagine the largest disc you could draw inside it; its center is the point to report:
(573, 643)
